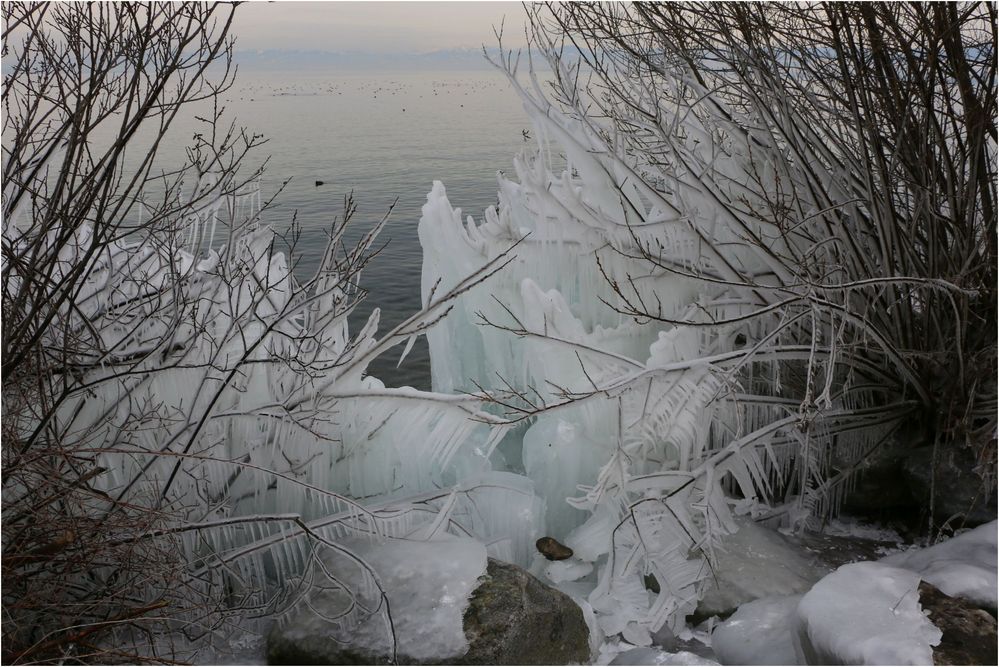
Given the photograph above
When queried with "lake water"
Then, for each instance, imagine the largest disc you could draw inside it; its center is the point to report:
(384, 136)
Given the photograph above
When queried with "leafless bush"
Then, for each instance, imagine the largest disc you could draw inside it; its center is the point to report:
(173, 397)
(850, 150)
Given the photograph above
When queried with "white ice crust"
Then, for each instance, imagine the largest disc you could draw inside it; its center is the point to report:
(428, 585)
(964, 566)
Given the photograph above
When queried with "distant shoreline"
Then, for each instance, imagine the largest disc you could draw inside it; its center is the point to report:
(446, 60)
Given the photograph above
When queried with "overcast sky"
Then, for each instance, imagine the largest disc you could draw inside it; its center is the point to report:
(376, 27)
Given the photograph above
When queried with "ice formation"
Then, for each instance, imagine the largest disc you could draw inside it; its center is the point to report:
(864, 613)
(225, 390)
(759, 633)
(240, 406)
(753, 563)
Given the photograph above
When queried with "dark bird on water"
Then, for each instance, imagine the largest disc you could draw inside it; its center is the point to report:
(318, 183)
(552, 549)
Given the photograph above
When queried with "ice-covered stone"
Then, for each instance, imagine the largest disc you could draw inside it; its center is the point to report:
(427, 586)
(969, 634)
(753, 563)
(514, 619)
(758, 633)
(864, 614)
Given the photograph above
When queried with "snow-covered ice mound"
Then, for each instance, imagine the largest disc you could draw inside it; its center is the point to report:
(755, 563)
(861, 614)
(964, 566)
(865, 614)
(759, 633)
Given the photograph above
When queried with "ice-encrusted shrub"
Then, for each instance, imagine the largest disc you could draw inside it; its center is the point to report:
(187, 427)
(770, 244)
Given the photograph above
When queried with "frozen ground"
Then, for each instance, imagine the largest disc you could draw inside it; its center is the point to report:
(863, 613)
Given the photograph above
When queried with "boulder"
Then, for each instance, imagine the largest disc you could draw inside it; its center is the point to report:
(877, 491)
(514, 619)
(957, 489)
(969, 634)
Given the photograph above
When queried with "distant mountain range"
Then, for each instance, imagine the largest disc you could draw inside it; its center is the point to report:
(448, 59)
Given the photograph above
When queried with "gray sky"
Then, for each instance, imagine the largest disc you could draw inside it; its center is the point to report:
(376, 27)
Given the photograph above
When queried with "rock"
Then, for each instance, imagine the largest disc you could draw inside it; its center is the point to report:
(552, 549)
(664, 638)
(877, 492)
(969, 634)
(956, 487)
(514, 619)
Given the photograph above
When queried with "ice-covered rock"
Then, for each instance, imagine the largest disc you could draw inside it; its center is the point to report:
(753, 563)
(758, 633)
(514, 619)
(969, 634)
(864, 614)
(945, 478)
(427, 587)
(964, 566)
(847, 608)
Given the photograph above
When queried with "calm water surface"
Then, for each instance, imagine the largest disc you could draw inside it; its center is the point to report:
(383, 136)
